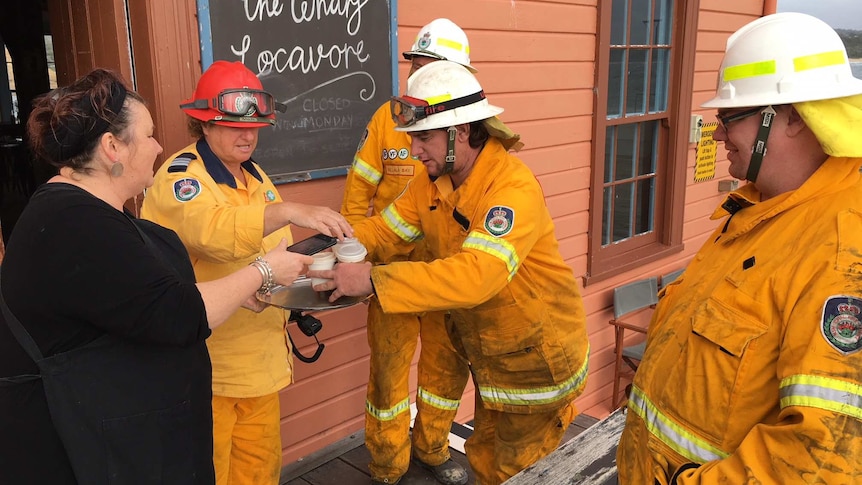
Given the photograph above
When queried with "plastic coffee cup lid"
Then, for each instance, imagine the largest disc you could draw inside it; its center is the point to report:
(351, 252)
(323, 257)
(345, 241)
(323, 260)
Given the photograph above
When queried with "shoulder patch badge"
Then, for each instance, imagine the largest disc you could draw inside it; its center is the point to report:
(841, 326)
(362, 141)
(186, 189)
(181, 163)
(270, 196)
(499, 220)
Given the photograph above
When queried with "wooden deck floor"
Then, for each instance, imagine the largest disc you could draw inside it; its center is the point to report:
(346, 462)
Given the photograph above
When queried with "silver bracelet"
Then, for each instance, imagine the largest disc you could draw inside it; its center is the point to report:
(262, 273)
(266, 273)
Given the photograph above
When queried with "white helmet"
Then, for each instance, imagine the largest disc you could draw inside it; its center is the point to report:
(451, 94)
(782, 59)
(442, 39)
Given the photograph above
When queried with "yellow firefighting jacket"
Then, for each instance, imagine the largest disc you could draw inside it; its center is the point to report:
(220, 221)
(497, 267)
(381, 168)
(752, 367)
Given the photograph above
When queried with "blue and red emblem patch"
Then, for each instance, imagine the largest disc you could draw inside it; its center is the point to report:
(186, 189)
(500, 220)
(841, 326)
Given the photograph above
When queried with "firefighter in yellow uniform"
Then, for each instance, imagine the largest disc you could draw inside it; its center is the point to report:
(381, 170)
(752, 371)
(227, 211)
(516, 313)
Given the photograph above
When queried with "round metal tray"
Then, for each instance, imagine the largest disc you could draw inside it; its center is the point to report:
(301, 296)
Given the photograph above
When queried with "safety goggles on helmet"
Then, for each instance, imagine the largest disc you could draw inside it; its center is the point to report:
(406, 110)
(725, 120)
(237, 102)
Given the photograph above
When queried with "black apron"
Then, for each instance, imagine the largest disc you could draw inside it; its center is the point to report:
(127, 413)
(121, 412)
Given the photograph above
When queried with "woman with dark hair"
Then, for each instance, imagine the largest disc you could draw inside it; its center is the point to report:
(104, 373)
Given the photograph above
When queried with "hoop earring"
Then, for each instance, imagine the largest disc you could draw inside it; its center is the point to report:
(117, 169)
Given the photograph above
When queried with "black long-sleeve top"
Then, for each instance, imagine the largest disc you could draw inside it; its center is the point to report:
(75, 269)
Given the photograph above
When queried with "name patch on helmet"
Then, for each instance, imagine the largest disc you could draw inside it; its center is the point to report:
(500, 220)
(841, 326)
(186, 189)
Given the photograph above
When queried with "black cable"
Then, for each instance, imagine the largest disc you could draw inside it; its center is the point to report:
(309, 326)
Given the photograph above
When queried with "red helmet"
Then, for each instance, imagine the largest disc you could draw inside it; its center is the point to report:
(229, 94)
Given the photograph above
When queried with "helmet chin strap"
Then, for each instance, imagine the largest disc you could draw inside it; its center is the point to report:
(450, 153)
(758, 151)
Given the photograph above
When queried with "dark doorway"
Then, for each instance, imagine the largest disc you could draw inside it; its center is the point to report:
(28, 71)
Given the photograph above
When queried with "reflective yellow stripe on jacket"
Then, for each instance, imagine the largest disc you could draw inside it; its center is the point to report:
(823, 393)
(405, 231)
(672, 433)
(496, 247)
(537, 395)
(366, 171)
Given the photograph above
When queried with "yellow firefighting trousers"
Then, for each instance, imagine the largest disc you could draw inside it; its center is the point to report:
(442, 377)
(247, 440)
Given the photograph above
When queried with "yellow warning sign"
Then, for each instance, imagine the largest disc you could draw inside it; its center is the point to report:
(704, 168)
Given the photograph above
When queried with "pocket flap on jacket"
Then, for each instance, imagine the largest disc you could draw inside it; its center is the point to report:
(726, 327)
(498, 341)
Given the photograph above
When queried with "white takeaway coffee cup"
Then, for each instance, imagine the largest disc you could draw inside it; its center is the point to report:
(350, 251)
(322, 261)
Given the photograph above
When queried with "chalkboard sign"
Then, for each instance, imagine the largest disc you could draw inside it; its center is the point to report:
(330, 61)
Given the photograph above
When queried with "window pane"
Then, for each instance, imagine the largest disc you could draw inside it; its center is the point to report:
(623, 205)
(648, 148)
(662, 20)
(636, 84)
(641, 22)
(631, 155)
(626, 144)
(658, 85)
(619, 17)
(9, 106)
(616, 75)
(610, 153)
(645, 206)
(52, 70)
(607, 195)
(9, 71)
(632, 186)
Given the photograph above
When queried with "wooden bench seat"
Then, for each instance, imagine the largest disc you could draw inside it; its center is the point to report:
(587, 459)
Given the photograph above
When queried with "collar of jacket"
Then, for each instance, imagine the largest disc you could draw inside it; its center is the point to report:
(216, 168)
(481, 175)
(835, 174)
